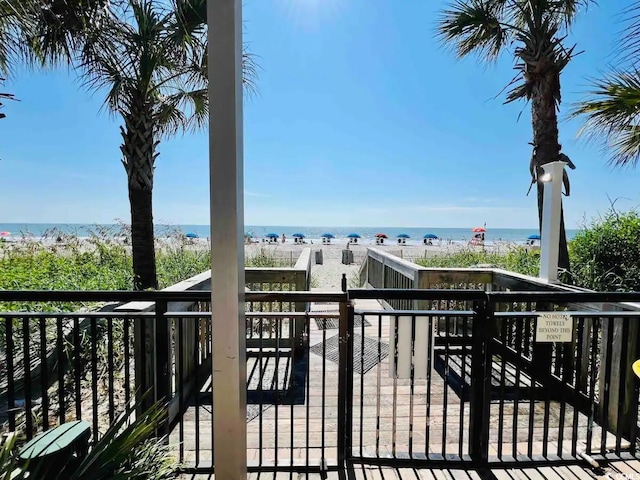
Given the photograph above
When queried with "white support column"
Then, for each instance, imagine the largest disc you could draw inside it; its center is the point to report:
(551, 210)
(227, 238)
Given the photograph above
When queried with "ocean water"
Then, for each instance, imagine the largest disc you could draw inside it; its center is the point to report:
(312, 234)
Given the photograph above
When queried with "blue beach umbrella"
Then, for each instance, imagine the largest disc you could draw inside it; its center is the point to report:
(431, 236)
(248, 234)
(403, 235)
(353, 235)
(298, 235)
(533, 237)
(272, 235)
(191, 235)
(328, 235)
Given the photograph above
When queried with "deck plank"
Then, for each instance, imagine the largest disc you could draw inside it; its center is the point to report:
(308, 409)
(368, 472)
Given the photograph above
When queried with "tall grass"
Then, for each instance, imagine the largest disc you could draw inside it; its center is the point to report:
(516, 259)
(102, 261)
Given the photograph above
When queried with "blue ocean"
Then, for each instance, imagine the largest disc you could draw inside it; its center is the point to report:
(312, 234)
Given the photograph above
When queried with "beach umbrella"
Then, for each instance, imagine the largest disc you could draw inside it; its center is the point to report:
(272, 235)
(353, 235)
(403, 235)
(381, 235)
(478, 229)
(5, 234)
(431, 236)
(298, 235)
(191, 235)
(248, 234)
(533, 237)
(328, 235)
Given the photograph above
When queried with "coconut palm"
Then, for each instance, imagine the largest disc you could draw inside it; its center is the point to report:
(534, 32)
(611, 108)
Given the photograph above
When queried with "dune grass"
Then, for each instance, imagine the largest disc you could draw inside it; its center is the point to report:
(514, 258)
(102, 261)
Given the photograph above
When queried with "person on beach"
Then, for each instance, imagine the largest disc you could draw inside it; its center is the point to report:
(284, 238)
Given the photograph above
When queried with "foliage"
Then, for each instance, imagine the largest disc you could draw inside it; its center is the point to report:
(606, 253)
(128, 450)
(534, 32)
(101, 261)
(537, 28)
(611, 111)
(267, 258)
(611, 106)
(516, 259)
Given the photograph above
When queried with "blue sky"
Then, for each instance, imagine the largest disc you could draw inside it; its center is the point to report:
(361, 119)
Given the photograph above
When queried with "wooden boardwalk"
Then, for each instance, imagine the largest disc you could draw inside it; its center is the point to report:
(293, 408)
(620, 470)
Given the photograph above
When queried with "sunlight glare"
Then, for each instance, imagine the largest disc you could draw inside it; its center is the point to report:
(311, 14)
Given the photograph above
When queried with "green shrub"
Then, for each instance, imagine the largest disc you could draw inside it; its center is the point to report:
(605, 255)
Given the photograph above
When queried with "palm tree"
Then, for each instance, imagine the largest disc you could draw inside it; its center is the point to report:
(612, 107)
(535, 30)
(149, 56)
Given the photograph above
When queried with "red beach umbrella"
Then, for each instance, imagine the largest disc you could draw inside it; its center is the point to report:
(381, 235)
(5, 234)
(478, 229)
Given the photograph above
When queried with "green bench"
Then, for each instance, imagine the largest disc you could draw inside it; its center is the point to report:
(51, 453)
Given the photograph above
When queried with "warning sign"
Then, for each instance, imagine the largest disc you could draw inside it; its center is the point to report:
(554, 327)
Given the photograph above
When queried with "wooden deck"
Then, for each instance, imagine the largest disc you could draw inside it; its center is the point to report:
(620, 470)
(292, 418)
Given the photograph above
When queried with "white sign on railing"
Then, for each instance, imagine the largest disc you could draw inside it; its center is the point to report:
(554, 327)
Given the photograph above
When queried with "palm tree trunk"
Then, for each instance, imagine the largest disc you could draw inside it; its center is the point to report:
(139, 154)
(142, 239)
(544, 121)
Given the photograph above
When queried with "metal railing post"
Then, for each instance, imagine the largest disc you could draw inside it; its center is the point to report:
(345, 378)
(162, 346)
(483, 329)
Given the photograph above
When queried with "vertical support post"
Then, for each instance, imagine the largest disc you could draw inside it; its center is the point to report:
(345, 381)
(551, 214)
(483, 330)
(224, 19)
(162, 355)
(299, 323)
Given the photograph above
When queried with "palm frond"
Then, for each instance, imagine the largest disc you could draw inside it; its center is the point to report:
(473, 26)
(568, 10)
(612, 112)
(119, 447)
(629, 45)
(183, 110)
(15, 21)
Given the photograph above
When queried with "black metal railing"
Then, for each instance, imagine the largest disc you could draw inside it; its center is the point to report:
(454, 377)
